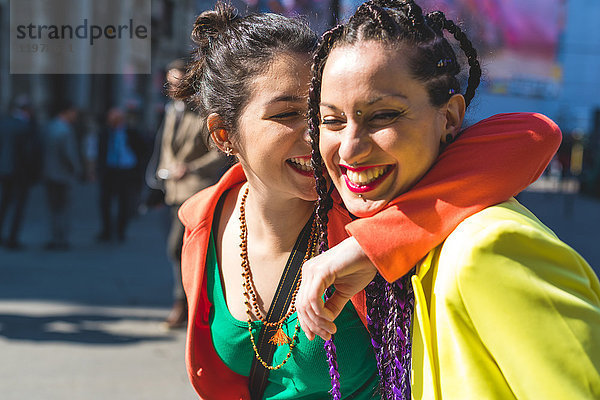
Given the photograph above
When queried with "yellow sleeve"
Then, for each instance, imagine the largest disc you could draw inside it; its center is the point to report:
(535, 304)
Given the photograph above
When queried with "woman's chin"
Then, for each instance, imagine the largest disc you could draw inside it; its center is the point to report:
(362, 207)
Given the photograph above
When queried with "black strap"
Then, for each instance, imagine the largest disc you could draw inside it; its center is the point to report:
(281, 302)
(217, 214)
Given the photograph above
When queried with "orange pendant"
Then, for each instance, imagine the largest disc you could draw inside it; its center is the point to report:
(280, 338)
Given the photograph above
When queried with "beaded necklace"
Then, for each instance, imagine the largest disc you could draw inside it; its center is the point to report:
(279, 338)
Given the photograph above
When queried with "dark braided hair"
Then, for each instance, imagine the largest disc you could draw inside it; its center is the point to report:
(432, 61)
(229, 52)
(325, 202)
(314, 97)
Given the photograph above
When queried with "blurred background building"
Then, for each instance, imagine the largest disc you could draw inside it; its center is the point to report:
(538, 55)
(96, 93)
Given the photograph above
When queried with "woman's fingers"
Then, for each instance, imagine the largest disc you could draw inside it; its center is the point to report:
(315, 319)
(315, 325)
(347, 268)
(335, 304)
(318, 327)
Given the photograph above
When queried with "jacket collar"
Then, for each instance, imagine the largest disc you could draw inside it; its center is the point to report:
(424, 265)
(199, 209)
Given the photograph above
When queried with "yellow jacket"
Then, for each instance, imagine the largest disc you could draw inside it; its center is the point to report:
(505, 310)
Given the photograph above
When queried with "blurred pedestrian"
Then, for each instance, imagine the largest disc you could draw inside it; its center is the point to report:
(19, 167)
(89, 146)
(61, 167)
(184, 165)
(121, 150)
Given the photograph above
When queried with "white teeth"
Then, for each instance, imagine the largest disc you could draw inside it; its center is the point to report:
(367, 176)
(301, 163)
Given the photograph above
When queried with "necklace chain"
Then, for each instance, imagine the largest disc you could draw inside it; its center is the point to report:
(250, 292)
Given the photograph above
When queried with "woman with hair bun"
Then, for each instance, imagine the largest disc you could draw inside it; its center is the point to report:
(498, 307)
(247, 236)
(249, 78)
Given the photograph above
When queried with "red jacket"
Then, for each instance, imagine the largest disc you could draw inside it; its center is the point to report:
(491, 161)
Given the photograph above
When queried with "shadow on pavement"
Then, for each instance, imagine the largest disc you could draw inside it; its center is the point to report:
(132, 273)
(74, 328)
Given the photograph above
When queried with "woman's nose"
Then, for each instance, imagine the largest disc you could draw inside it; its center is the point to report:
(355, 144)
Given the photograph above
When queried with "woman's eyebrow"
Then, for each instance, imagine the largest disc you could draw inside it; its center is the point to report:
(331, 106)
(369, 102)
(287, 98)
(375, 100)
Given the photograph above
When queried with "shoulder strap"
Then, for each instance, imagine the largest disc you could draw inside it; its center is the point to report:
(217, 213)
(281, 302)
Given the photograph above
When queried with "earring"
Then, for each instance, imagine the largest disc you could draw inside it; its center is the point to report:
(449, 138)
(444, 62)
(228, 150)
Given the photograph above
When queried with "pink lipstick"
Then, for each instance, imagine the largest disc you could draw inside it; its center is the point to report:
(357, 187)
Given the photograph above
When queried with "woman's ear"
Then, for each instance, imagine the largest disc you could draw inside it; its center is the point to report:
(218, 133)
(455, 114)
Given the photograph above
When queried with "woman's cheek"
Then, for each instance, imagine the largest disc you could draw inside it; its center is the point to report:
(328, 145)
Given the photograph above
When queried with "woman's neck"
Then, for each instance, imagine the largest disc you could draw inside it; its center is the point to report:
(275, 221)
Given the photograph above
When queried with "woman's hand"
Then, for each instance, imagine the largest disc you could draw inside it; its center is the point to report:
(346, 267)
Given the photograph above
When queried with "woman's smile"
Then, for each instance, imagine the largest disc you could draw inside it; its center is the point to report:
(301, 165)
(365, 179)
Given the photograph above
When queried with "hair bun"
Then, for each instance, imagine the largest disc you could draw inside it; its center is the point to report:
(212, 23)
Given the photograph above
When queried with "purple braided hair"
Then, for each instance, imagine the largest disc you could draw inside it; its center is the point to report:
(390, 312)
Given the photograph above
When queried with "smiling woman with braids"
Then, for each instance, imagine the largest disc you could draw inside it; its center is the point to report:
(499, 308)
(247, 237)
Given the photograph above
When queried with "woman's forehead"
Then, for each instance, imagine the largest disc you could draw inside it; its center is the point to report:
(286, 79)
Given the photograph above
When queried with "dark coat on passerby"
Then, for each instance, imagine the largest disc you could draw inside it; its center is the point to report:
(120, 172)
(61, 161)
(134, 141)
(61, 169)
(19, 168)
(20, 149)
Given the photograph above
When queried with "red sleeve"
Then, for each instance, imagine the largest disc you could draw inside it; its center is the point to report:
(488, 163)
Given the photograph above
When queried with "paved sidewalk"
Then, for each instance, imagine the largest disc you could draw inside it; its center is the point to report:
(87, 323)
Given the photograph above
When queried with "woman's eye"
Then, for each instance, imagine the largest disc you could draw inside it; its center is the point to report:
(331, 121)
(386, 116)
(285, 115)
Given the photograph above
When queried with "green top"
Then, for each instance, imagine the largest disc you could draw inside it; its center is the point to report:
(306, 373)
